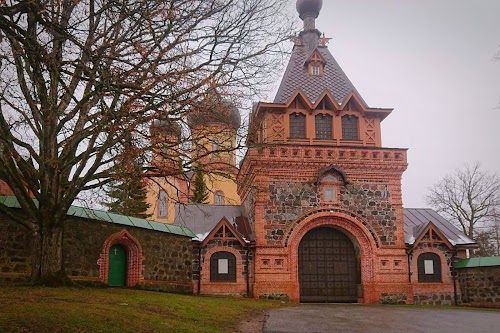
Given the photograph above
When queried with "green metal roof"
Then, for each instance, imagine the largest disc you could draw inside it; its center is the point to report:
(95, 214)
(478, 262)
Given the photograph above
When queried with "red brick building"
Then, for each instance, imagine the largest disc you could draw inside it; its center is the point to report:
(322, 217)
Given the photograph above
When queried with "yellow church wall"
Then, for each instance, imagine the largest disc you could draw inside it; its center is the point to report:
(222, 183)
(173, 189)
(222, 152)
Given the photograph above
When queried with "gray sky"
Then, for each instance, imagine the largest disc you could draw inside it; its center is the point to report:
(433, 62)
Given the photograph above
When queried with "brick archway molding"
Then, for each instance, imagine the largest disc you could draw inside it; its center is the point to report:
(209, 287)
(345, 223)
(134, 257)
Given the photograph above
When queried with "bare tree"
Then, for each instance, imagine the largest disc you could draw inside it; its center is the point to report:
(77, 75)
(469, 198)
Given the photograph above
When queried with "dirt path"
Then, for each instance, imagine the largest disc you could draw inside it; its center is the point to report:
(253, 324)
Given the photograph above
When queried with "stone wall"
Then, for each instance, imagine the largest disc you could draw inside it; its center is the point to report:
(480, 286)
(167, 261)
(435, 298)
(14, 252)
(288, 200)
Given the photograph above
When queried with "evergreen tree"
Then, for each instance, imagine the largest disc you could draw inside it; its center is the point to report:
(200, 191)
(128, 191)
(128, 197)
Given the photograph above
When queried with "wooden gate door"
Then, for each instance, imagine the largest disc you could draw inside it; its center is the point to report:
(117, 273)
(328, 269)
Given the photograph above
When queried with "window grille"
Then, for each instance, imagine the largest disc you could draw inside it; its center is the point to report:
(323, 126)
(350, 128)
(297, 126)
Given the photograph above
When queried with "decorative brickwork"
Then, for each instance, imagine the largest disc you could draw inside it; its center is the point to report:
(134, 257)
(240, 286)
(433, 293)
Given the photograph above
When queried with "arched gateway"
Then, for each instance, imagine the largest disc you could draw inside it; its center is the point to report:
(328, 267)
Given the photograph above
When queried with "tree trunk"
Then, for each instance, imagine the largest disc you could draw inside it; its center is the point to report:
(47, 257)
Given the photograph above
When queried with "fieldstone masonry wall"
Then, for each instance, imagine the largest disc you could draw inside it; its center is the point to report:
(288, 200)
(480, 286)
(167, 257)
(371, 201)
(14, 252)
(435, 298)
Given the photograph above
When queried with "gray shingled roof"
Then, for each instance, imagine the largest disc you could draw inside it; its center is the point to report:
(416, 219)
(296, 76)
(201, 219)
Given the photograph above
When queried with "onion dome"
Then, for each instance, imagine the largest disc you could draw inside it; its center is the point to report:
(165, 127)
(309, 8)
(215, 111)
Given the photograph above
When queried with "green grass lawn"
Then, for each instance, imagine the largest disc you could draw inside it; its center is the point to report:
(28, 309)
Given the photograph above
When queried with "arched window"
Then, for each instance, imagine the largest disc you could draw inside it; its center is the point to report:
(323, 124)
(162, 204)
(429, 267)
(297, 126)
(350, 128)
(219, 198)
(223, 267)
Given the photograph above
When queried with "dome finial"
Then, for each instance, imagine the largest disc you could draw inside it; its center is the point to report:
(308, 11)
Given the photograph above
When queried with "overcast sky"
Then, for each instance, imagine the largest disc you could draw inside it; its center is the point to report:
(433, 62)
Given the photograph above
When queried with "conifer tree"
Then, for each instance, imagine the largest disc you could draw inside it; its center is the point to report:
(200, 191)
(128, 197)
(128, 190)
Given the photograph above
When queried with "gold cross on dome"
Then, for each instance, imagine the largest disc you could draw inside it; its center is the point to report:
(323, 40)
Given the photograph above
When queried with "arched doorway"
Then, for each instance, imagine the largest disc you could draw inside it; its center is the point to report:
(328, 267)
(117, 273)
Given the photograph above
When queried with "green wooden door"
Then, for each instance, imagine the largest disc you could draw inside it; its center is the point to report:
(117, 274)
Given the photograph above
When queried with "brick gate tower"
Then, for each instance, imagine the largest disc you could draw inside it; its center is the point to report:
(321, 193)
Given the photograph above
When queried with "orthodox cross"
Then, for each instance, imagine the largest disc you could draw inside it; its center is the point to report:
(323, 40)
(116, 251)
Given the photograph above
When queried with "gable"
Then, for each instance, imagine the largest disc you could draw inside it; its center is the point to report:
(416, 219)
(430, 234)
(224, 231)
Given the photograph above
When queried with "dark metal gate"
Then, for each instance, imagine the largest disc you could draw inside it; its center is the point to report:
(328, 269)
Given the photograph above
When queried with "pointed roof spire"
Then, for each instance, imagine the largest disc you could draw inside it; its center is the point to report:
(308, 11)
(309, 41)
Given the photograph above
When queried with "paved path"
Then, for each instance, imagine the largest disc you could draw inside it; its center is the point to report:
(323, 318)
